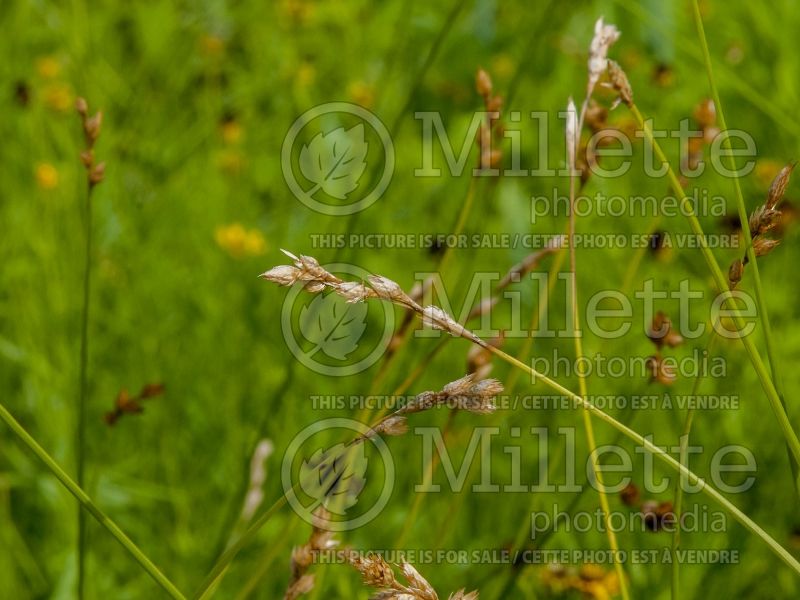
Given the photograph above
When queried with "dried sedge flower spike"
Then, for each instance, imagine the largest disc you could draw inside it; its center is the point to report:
(353, 291)
(389, 290)
(762, 219)
(779, 185)
(705, 113)
(436, 318)
(604, 37)
(375, 571)
(658, 515)
(735, 273)
(483, 83)
(763, 246)
(300, 587)
(97, 174)
(619, 82)
(81, 106)
(659, 328)
(91, 128)
(661, 332)
(418, 584)
(395, 425)
(282, 275)
(462, 595)
(630, 495)
(421, 402)
(572, 134)
(660, 371)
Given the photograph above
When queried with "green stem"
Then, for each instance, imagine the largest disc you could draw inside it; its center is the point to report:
(761, 304)
(80, 430)
(587, 420)
(87, 503)
(209, 584)
(722, 285)
(678, 504)
(661, 455)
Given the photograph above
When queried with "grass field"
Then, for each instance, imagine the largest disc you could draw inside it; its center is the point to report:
(197, 99)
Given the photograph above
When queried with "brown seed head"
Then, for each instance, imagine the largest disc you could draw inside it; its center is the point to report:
(735, 273)
(779, 185)
(483, 83)
(619, 81)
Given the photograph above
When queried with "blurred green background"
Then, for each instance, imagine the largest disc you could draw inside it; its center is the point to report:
(197, 98)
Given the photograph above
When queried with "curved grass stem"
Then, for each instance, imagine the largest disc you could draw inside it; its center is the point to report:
(587, 420)
(748, 238)
(721, 282)
(88, 504)
(80, 429)
(661, 455)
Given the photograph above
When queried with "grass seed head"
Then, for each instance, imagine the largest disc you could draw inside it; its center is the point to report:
(604, 36)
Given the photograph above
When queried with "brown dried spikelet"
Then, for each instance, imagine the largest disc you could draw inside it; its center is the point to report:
(483, 83)
(302, 586)
(658, 515)
(735, 273)
(705, 113)
(619, 82)
(778, 188)
(630, 495)
(660, 371)
(661, 332)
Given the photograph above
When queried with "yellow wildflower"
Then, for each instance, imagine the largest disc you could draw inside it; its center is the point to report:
(46, 176)
(239, 241)
(48, 67)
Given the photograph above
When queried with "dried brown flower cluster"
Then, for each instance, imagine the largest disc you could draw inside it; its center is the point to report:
(91, 131)
(132, 405)
(762, 222)
(375, 571)
(662, 334)
(604, 36)
(308, 271)
(656, 515)
(470, 393)
(580, 155)
(491, 128)
(379, 574)
(303, 556)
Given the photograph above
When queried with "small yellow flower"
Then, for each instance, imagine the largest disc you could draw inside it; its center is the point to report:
(48, 67)
(58, 96)
(240, 242)
(361, 93)
(232, 132)
(46, 176)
